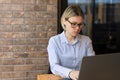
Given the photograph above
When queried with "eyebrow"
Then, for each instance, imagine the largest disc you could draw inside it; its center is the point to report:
(67, 19)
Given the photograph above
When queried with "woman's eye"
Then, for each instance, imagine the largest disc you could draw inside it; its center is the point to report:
(79, 24)
(73, 23)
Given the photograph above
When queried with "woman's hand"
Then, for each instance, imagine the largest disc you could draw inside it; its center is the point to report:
(74, 75)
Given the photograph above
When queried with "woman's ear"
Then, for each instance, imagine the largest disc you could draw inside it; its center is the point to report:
(64, 23)
(64, 27)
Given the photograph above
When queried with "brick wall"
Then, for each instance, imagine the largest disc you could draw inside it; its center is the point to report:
(25, 28)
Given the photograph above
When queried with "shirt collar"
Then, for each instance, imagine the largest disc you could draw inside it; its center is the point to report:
(64, 39)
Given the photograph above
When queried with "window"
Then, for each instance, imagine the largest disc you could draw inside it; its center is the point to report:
(102, 19)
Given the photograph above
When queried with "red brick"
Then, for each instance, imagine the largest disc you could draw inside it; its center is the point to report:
(24, 67)
(5, 1)
(7, 68)
(6, 14)
(44, 2)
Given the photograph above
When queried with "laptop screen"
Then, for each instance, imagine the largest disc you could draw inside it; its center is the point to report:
(100, 67)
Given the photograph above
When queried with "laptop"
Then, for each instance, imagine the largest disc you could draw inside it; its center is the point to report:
(100, 67)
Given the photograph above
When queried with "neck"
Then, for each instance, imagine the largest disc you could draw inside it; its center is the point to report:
(70, 38)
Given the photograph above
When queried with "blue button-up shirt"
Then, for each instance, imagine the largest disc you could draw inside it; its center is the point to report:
(65, 57)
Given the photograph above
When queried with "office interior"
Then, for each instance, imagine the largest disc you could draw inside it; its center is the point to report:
(27, 25)
(102, 20)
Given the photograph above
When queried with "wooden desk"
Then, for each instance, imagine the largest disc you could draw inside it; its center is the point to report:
(48, 77)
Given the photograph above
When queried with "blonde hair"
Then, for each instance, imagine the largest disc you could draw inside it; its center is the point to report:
(70, 11)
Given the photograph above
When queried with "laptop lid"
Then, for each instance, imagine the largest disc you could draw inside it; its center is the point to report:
(100, 67)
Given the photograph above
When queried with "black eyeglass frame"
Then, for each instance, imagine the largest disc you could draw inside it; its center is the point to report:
(74, 25)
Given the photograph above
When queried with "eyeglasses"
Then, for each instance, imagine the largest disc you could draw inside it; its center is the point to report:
(74, 25)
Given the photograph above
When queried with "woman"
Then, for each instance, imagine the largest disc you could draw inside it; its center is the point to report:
(67, 49)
